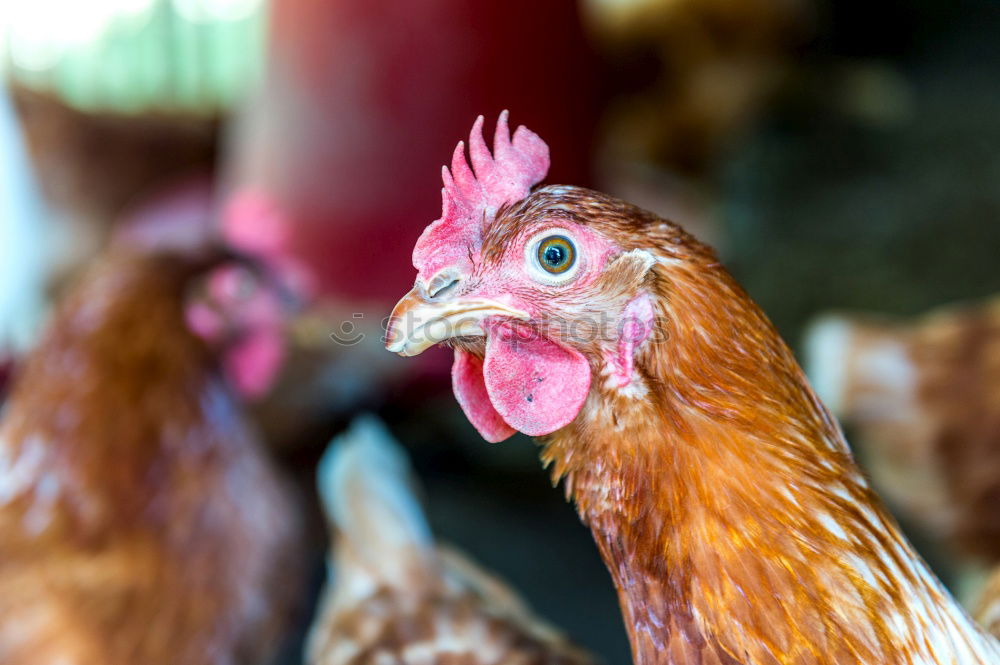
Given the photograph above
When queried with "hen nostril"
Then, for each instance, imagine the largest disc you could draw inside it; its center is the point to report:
(441, 284)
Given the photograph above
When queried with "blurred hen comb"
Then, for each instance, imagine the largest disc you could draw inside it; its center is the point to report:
(472, 195)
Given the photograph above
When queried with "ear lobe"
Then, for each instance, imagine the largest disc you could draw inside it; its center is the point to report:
(635, 328)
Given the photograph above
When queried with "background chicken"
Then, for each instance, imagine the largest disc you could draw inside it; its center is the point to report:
(395, 596)
(922, 398)
(721, 493)
(140, 520)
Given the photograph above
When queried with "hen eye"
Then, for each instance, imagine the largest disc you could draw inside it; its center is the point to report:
(556, 254)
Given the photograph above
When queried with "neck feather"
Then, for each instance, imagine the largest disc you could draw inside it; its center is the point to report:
(725, 502)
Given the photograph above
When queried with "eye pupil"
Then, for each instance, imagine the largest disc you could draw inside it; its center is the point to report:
(554, 256)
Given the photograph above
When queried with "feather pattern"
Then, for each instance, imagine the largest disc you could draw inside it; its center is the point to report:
(396, 597)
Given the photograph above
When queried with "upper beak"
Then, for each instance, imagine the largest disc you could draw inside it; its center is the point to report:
(417, 323)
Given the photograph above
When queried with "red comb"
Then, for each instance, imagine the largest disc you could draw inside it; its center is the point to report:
(470, 196)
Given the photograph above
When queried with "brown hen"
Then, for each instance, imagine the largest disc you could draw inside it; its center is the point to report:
(721, 493)
(141, 522)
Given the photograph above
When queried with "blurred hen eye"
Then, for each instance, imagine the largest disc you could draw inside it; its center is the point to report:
(556, 254)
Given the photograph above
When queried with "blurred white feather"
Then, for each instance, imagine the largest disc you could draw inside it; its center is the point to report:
(22, 260)
(366, 486)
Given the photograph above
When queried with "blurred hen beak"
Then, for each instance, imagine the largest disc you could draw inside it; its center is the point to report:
(417, 323)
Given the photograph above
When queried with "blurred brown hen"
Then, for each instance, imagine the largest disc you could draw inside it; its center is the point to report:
(140, 520)
(923, 398)
(395, 597)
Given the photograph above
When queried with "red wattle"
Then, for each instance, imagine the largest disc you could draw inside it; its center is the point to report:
(470, 391)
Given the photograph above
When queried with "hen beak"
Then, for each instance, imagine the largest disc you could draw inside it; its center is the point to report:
(417, 323)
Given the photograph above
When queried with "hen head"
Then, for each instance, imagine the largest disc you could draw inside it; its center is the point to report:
(241, 305)
(541, 293)
(242, 317)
